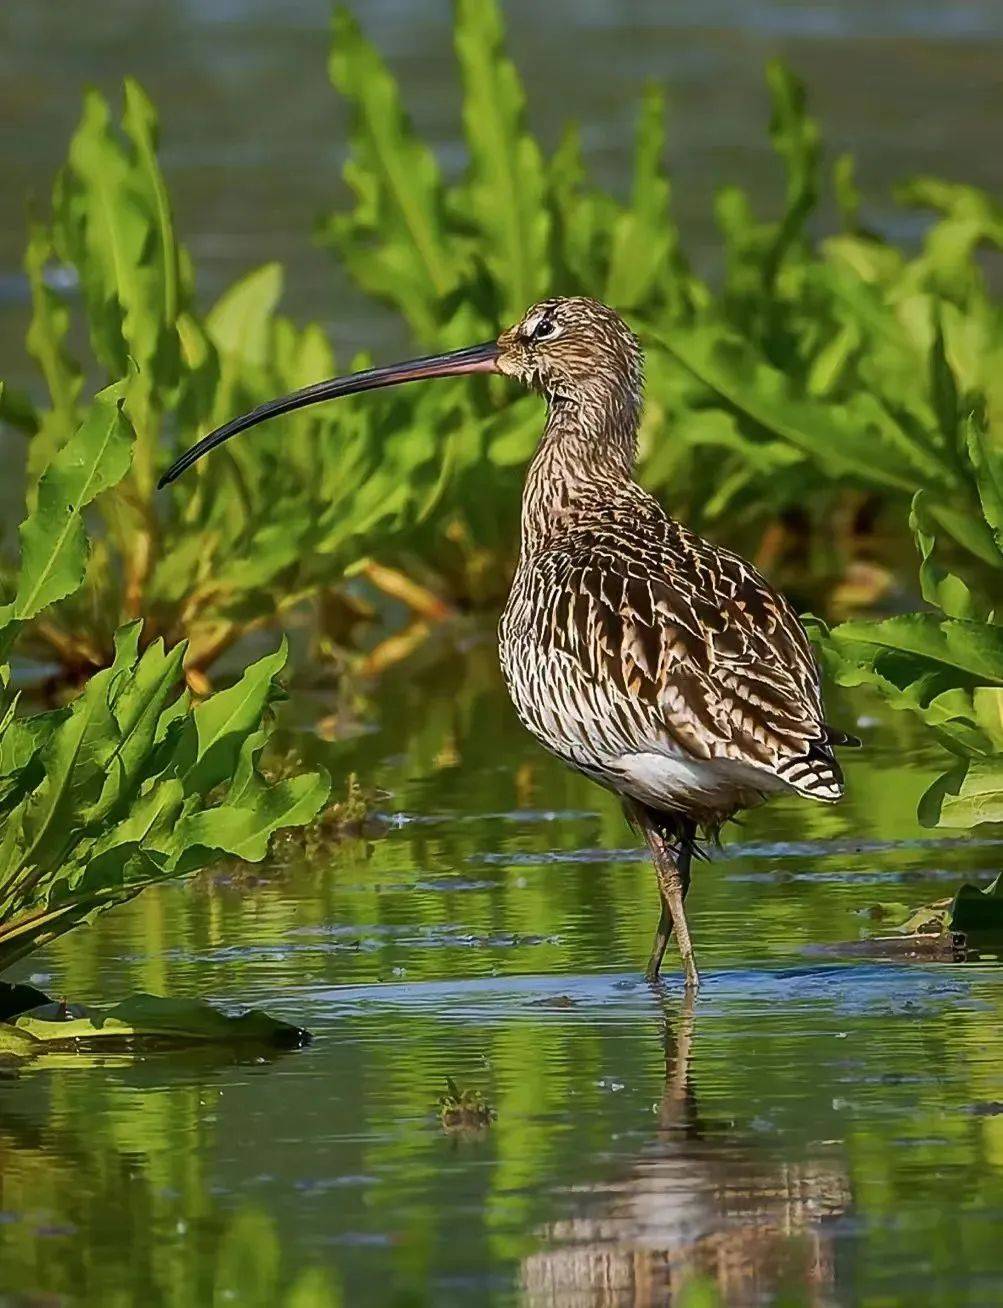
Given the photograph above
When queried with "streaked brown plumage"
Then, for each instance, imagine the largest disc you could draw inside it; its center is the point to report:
(663, 667)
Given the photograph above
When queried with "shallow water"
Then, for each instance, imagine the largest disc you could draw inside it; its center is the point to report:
(816, 1129)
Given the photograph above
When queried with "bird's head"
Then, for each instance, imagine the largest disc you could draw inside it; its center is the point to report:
(569, 348)
(572, 348)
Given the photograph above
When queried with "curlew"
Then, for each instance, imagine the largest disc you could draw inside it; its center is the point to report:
(661, 666)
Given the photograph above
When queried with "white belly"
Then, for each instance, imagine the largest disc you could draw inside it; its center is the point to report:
(715, 785)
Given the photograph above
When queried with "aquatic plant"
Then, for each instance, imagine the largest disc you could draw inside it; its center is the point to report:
(827, 374)
(945, 664)
(267, 526)
(130, 783)
(823, 371)
(825, 377)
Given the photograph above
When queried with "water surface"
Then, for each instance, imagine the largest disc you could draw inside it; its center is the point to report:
(818, 1128)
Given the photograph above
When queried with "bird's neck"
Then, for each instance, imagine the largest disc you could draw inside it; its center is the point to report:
(587, 451)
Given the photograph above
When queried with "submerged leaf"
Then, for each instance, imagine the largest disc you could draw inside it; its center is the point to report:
(142, 1020)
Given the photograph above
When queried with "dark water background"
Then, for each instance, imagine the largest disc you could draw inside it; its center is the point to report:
(822, 1128)
(254, 137)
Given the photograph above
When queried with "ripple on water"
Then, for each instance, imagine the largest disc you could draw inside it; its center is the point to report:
(880, 988)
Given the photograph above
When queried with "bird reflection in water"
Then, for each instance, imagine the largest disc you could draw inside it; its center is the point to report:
(700, 1202)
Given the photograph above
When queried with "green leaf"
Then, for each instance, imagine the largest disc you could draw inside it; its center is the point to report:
(395, 243)
(971, 647)
(224, 720)
(854, 437)
(239, 322)
(987, 460)
(643, 237)
(104, 226)
(939, 587)
(45, 341)
(313, 1288)
(988, 704)
(141, 1021)
(506, 188)
(139, 699)
(40, 833)
(244, 830)
(795, 137)
(966, 796)
(846, 191)
(53, 540)
(140, 121)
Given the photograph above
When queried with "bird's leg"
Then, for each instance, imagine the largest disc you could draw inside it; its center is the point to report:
(674, 890)
(672, 871)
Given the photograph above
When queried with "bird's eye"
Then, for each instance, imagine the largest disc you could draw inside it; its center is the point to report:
(544, 328)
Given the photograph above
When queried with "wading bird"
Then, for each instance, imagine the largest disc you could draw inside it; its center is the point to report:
(664, 668)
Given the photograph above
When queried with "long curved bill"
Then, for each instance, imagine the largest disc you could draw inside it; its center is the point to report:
(475, 358)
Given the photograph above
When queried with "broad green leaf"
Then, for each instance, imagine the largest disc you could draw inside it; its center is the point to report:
(975, 911)
(987, 702)
(987, 460)
(140, 122)
(795, 137)
(239, 322)
(966, 796)
(244, 831)
(138, 701)
(941, 588)
(105, 225)
(854, 437)
(40, 832)
(225, 719)
(313, 1288)
(968, 529)
(971, 647)
(46, 342)
(53, 540)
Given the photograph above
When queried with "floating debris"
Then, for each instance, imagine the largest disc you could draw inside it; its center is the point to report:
(464, 1111)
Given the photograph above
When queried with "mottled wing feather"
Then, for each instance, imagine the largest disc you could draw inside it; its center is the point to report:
(656, 640)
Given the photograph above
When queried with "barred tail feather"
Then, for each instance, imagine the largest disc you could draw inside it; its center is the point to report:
(815, 775)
